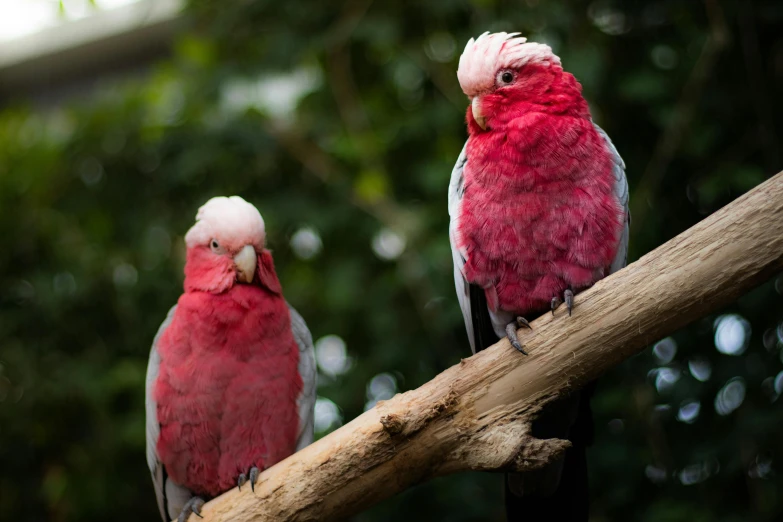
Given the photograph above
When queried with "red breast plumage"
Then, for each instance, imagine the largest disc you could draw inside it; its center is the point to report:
(538, 213)
(228, 381)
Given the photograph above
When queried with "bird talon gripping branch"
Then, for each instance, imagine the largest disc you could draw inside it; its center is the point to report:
(193, 505)
(522, 323)
(569, 300)
(554, 303)
(511, 334)
(254, 472)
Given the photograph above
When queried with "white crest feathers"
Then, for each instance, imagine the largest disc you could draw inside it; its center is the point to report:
(231, 220)
(490, 53)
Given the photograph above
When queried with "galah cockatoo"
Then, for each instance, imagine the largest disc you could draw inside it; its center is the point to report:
(538, 202)
(231, 376)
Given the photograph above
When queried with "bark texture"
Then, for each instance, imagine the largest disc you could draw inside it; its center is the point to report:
(477, 414)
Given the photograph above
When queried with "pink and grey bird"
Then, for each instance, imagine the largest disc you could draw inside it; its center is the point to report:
(231, 377)
(538, 202)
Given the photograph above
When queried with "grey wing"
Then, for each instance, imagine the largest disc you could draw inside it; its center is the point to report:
(484, 326)
(171, 496)
(307, 370)
(621, 192)
(456, 190)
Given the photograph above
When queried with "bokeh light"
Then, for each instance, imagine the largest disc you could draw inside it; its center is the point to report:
(440, 47)
(665, 350)
(382, 387)
(388, 245)
(331, 355)
(664, 57)
(125, 275)
(697, 473)
(655, 474)
(327, 416)
(306, 243)
(730, 397)
(761, 467)
(689, 411)
(778, 384)
(700, 368)
(732, 334)
(665, 378)
(608, 19)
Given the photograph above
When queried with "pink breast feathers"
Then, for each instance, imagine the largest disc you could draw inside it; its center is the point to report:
(538, 213)
(227, 387)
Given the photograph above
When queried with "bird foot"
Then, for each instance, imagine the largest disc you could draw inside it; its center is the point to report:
(194, 506)
(568, 295)
(511, 333)
(252, 476)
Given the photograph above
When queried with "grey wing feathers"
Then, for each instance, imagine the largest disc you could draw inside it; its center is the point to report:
(456, 189)
(171, 497)
(621, 191)
(307, 370)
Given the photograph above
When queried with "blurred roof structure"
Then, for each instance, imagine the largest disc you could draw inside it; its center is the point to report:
(60, 57)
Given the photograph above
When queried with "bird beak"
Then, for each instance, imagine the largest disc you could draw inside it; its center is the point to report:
(245, 262)
(475, 106)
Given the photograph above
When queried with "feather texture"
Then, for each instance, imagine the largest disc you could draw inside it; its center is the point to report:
(227, 387)
(539, 212)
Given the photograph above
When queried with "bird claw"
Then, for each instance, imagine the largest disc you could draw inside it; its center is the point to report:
(522, 323)
(254, 472)
(569, 300)
(511, 333)
(252, 476)
(194, 506)
(568, 295)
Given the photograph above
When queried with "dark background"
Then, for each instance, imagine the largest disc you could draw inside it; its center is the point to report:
(100, 180)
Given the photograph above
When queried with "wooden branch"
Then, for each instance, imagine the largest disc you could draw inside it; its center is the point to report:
(477, 414)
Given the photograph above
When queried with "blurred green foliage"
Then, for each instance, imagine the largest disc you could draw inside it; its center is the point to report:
(356, 146)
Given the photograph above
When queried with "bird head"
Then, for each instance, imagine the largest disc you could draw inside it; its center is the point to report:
(224, 245)
(498, 70)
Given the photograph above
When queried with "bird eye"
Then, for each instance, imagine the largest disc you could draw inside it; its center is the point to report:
(215, 246)
(506, 77)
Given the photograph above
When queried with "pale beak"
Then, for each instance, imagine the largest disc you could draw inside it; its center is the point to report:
(245, 261)
(475, 106)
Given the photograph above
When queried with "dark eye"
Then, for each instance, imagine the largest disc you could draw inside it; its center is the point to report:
(214, 245)
(506, 77)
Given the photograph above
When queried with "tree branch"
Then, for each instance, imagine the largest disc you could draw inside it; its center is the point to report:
(477, 414)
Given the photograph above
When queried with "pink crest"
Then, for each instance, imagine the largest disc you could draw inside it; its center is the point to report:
(231, 220)
(489, 54)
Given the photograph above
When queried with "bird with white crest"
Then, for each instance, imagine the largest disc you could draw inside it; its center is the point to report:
(230, 385)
